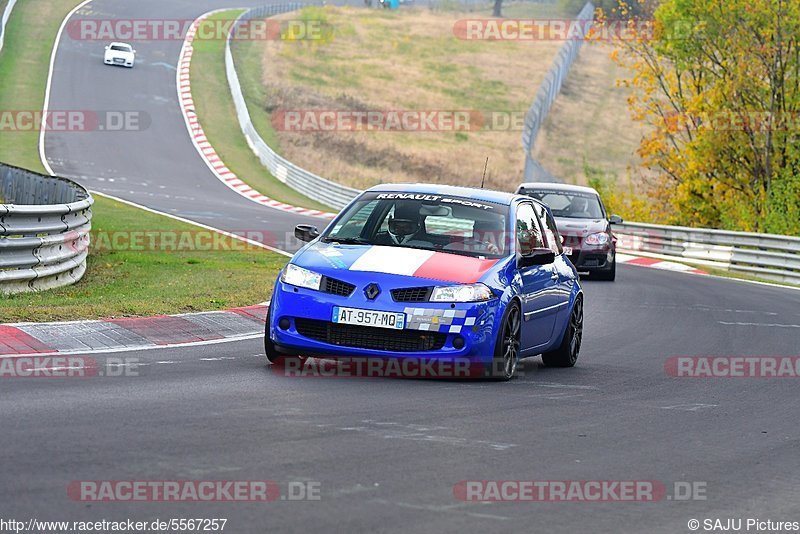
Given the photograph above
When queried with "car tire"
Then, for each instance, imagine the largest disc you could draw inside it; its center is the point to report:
(273, 356)
(506, 348)
(608, 275)
(567, 353)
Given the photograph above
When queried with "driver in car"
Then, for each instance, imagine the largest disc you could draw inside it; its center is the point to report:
(407, 225)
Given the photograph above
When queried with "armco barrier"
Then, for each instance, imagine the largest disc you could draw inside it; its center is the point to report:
(44, 230)
(313, 186)
(769, 256)
(336, 195)
(546, 95)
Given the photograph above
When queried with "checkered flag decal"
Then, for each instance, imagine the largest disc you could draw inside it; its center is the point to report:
(433, 320)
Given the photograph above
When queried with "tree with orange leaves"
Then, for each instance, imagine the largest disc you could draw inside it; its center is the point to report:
(719, 84)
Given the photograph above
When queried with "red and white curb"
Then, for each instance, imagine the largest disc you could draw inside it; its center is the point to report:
(132, 333)
(207, 152)
(654, 263)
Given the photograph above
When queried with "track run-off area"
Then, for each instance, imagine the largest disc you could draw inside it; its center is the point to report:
(388, 455)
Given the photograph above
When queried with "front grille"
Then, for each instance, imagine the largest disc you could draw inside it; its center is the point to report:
(412, 294)
(366, 337)
(337, 287)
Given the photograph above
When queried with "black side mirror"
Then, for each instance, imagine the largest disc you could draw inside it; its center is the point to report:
(306, 232)
(537, 256)
(615, 219)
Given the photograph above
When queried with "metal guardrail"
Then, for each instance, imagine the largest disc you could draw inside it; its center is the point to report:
(309, 184)
(769, 256)
(546, 95)
(336, 195)
(4, 20)
(44, 230)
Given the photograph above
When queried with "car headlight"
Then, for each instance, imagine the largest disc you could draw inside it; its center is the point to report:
(600, 238)
(297, 276)
(463, 293)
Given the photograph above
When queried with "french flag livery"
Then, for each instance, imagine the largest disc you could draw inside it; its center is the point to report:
(410, 262)
(429, 273)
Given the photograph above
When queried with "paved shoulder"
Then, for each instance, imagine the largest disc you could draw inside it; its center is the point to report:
(132, 333)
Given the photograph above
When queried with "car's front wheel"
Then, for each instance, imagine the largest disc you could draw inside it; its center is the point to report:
(506, 350)
(567, 353)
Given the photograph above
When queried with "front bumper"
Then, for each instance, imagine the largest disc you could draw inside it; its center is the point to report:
(592, 258)
(300, 323)
(122, 63)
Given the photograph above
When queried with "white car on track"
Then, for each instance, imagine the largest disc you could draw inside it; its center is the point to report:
(121, 54)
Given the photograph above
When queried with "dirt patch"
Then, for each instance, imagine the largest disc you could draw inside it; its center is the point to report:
(402, 61)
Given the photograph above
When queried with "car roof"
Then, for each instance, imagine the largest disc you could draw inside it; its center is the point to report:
(486, 195)
(550, 186)
(118, 43)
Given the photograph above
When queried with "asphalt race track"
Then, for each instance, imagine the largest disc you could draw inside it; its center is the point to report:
(387, 453)
(159, 166)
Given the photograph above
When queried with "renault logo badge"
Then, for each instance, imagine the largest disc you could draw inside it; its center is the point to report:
(372, 291)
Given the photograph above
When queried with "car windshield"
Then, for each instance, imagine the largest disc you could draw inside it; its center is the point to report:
(570, 204)
(424, 221)
(121, 48)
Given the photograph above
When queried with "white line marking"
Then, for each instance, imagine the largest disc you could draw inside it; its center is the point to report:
(689, 407)
(770, 325)
(5, 16)
(46, 105)
(441, 508)
(137, 348)
(195, 223)
(566, 386)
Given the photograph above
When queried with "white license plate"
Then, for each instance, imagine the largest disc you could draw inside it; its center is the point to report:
(568, 251)
(377, 319)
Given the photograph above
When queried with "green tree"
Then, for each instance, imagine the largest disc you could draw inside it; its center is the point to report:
(719, 82)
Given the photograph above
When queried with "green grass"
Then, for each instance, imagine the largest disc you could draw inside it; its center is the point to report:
(117, 282)
(24, 61)
(170, 279)
(217, 114)
(409, 59)
(740, 276)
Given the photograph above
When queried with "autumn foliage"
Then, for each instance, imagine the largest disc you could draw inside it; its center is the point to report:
(718, 83)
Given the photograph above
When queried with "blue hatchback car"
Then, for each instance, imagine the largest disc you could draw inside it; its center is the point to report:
(430, 272)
